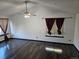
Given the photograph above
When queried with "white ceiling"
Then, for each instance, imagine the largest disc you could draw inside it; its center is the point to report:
(8, 7)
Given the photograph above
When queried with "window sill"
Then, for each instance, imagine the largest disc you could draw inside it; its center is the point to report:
(56, 36)
(4, 34)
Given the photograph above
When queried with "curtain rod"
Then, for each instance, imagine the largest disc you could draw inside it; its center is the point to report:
(58, 17)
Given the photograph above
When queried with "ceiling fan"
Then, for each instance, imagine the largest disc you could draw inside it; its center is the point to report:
(29, 7)
(28, 14)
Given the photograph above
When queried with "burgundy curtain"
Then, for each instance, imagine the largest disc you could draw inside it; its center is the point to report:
(49, 23)
(59, 23)
(4, 25)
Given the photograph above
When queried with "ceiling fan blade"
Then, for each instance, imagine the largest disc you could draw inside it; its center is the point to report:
(33, 10)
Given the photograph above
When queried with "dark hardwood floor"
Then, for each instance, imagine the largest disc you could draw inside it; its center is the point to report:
(23, 49)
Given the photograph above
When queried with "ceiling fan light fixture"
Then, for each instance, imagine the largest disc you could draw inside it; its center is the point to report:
(27, 15)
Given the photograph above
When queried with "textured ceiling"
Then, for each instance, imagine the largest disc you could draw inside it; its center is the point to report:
(8, 7)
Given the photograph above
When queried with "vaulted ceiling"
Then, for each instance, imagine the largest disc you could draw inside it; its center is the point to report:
(9, 7)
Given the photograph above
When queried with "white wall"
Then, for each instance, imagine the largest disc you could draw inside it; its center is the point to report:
(76, 36)
(35, 27)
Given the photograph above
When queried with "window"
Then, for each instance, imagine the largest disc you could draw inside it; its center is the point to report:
(55, 27)
(3, 26)
(1, 32)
